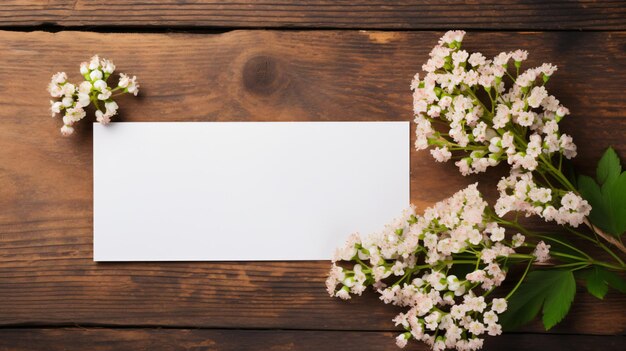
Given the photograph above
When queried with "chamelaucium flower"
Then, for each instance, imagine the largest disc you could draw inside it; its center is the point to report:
(480, 112)
(518, 125)
(418, 262)
(446, 266)
(72, 99)
(443, 267)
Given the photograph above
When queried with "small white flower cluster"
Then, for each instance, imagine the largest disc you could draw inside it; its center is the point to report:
(519, 193)
(94, 89)
(493, 131)
(542, 252)
(429, 257)
(486, 124)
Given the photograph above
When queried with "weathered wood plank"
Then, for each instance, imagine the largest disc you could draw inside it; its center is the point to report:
(223, 340)
(358, 14)
(46, 271)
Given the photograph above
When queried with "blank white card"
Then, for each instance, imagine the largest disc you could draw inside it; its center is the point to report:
(238, 191)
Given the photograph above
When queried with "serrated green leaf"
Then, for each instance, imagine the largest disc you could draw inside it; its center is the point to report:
(609, 166)
(552, 289)
(590, 191)
(598, 281)
(607, 194)
(523, 307)
(597, 287)
(559, 298)
(595, 283)
(614, 194)
(519, 312)
(614, 281)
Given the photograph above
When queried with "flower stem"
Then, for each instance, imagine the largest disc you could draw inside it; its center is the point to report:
(557, 174)
(573, 264)
(588, 260)
(564, 244)
(598, 243)
(519, 282)
(607, 265)
(606, 236)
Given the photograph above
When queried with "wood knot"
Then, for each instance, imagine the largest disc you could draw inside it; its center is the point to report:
(261, 75)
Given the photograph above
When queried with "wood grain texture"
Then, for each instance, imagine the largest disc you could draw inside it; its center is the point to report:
(358, 14)
(47, 276)
(272, 340)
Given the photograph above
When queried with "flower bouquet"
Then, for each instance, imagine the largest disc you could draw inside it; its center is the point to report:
(447, 266)
(73, 99)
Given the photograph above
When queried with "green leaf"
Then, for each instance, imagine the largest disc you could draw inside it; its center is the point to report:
(606, 194)
(609, 166)
(590, 191)
(599, 279)
(615, 281)
(521, 310)
(596, 285)
(552, 289)
(614, 193)
(523, 307)
(559, 299)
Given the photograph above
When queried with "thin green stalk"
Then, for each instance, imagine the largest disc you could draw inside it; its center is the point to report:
(557, 174)
(95, 103)
(573, 264)
(523, 256)
(587, 258)
(598, 243)
(608, 265)
(581, 235)
(565, 244)
(560, 254)
(516, 226)
(408, 273)
(590, 261)
(461, 261)
(486, 293)
(471, 92)
(519, 282)
(546, 180)
(510, 76)
(366, 267)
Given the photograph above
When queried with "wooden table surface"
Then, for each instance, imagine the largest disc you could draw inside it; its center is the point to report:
(273, 60)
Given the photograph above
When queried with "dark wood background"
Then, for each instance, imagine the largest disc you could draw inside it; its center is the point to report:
(274, 60)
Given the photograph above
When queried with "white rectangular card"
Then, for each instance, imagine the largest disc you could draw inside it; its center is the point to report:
(238, 191)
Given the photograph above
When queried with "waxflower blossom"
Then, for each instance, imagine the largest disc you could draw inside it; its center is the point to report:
(519, 193)
(421, 254)
(481, 112)
(442, 266)
(518, 125)
(542, 252)
(95, 89)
